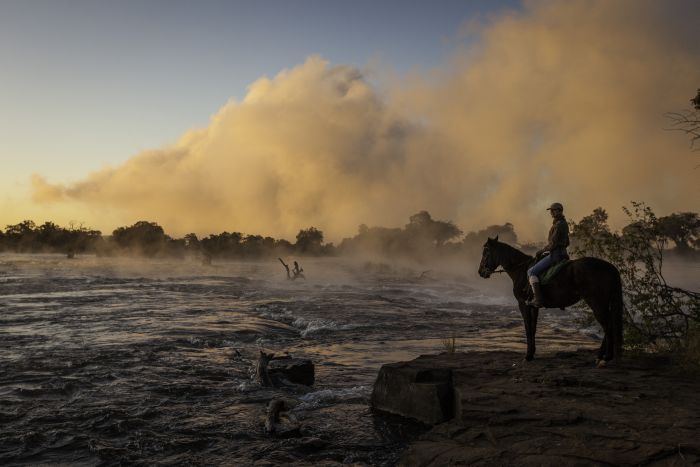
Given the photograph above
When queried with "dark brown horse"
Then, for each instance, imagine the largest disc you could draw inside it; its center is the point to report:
(595, 281)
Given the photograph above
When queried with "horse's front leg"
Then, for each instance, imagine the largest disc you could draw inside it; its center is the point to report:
(534, 314)
(525, 312)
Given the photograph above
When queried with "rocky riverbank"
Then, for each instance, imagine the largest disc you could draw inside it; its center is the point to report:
(492, 408)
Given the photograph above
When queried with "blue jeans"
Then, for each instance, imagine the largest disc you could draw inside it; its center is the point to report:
(554, 257)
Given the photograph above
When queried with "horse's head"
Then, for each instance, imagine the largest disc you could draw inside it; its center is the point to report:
(490, 259)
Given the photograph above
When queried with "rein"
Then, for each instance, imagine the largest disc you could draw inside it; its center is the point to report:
(516, 266)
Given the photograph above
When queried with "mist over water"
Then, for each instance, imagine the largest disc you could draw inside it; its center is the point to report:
(121, 360)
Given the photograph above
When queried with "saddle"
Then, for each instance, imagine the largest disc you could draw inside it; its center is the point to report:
(550, 273)
(546, 276)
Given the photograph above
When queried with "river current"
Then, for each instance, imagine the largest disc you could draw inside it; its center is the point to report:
(107, 361)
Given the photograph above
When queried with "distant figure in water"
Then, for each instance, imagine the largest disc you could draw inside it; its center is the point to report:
(298, 272)
(557, 242)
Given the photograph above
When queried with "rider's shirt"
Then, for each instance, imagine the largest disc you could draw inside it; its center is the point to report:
(558, 238)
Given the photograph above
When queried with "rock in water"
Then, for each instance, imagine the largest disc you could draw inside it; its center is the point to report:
(294, 370)
(282, 426)
(420, 389)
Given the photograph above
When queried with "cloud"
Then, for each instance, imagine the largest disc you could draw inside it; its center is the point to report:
(563, 101)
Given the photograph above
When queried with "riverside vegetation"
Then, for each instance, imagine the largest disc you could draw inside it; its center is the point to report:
(658, 315)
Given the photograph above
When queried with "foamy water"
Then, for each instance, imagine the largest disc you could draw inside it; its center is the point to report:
(110, 360)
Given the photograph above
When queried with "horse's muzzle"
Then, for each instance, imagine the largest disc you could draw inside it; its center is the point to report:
(485, 273)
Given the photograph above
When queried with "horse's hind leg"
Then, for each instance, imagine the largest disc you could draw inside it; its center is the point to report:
(603, 348)
(600, 311)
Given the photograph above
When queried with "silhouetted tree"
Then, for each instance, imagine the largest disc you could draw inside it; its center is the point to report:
(48, 237)
(144, 237)
(688, 121)
(683, 228)
(656, 313)
(590, 230)
(22, 237)
(192, 242)
(253, 245)
(283, 246)
(474, 241)
(309, 241)
(225, 244)
(421, 226)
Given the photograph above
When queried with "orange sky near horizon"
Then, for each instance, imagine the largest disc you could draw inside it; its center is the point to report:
(563, 101)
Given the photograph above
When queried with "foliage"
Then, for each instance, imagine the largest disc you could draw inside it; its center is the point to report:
(146, 238)
(688, 121)
(683, 228)
(474, 241)
(656, 313)
(27, 237)
(422, 227)
(309, 241)
(422, 237)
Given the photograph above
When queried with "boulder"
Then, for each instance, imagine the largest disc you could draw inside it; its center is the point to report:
(420, 389)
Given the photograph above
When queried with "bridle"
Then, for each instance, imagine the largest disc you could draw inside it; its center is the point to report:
(486, 258)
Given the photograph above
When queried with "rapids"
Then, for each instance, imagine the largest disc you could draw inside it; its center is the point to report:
(106, 361)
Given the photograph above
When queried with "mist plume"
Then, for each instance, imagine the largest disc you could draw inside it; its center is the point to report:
(563, 101)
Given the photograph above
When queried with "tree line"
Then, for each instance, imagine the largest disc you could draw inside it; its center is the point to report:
(421, 238)
(146, 238)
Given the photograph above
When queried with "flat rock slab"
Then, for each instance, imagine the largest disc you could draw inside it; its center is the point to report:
(556, 410)
(420, 389)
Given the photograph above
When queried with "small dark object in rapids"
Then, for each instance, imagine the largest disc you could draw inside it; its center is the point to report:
(297, 271)
(274, 424)
(261, 374)
(294, 370)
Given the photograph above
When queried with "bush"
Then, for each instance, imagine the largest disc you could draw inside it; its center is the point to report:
(658, 316)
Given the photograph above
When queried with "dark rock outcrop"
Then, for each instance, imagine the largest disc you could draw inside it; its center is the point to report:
(420, 389)
(293, 370)
(492, 408)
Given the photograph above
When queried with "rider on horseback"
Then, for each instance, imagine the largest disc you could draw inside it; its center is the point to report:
(557, 242)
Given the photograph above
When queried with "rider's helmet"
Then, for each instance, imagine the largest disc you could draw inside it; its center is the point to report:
(556, 206)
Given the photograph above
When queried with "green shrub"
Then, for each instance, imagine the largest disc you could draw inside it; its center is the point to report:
(658, 316)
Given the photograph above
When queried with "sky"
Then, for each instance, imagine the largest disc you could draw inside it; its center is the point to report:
(269, 116)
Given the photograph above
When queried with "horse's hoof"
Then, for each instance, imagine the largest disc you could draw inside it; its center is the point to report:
(601, 364)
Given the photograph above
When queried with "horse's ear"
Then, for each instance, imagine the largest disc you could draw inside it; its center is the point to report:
(495, 239)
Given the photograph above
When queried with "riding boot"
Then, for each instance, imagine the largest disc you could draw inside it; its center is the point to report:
(536, 295)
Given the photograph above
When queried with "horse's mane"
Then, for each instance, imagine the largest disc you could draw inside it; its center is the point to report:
(514, 251)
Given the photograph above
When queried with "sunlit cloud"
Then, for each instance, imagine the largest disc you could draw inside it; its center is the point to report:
(563, 101)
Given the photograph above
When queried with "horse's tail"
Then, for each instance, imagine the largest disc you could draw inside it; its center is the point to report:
(616, 311)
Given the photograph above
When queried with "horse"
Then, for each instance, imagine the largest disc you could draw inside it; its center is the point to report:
(594, 280)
